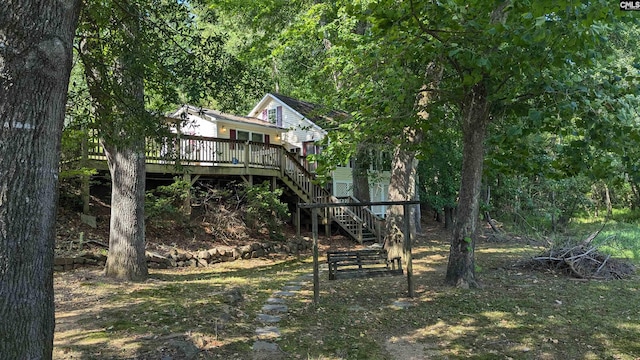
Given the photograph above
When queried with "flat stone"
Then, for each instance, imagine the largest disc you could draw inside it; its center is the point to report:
(269, 319)
(356, 308)
(401, 304)
(268, 332)
(292, 288)
(284, 293)
(89, 220)
(265, 346)
(189, 350)
(272, 300)
(275, 308)
(297, 283)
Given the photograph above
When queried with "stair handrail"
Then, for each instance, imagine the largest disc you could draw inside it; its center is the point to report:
(296, 172)
(370, 219)
(337, 200)
(351, 214)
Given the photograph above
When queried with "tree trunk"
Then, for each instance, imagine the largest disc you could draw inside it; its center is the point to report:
(36, 40)
(401, 188)
(404, 169)
(636, 194)
(117, 90)
(360, 174)
(448, 217)
(126, 258)
(417, 210)
(475, 118)
(607, 200)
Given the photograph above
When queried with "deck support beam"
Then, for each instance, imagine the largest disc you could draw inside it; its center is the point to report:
(186, 205)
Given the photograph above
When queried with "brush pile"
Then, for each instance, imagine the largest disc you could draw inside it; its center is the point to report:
(582, 261)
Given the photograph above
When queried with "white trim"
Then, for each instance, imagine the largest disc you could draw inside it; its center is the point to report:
(263, 102)
(260, 104)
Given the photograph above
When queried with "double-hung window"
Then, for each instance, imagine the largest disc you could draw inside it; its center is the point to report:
(274, 115)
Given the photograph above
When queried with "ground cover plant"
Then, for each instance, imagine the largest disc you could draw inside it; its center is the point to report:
(211, 313)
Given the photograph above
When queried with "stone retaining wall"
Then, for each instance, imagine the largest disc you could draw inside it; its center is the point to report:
(181, 258)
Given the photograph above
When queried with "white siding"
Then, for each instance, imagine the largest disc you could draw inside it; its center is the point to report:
(199, 127)
(299, 129)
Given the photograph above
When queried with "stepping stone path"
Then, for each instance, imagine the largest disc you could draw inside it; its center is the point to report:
(272, 312)
(275, 308)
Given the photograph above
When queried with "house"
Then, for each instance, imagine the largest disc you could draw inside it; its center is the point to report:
(272, 144)
(306, 124)
(215, 124)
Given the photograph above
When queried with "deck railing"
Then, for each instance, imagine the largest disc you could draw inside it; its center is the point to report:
(303, 178)
(205, 151)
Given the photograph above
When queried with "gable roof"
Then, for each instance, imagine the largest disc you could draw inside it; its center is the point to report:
(319, 115)
(213, 115)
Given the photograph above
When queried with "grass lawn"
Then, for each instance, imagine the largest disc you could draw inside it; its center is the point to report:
(517, 314)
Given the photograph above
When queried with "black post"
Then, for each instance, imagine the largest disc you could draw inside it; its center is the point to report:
(407, 249)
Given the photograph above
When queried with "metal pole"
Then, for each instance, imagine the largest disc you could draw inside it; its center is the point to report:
(407, 249)
(316, 270)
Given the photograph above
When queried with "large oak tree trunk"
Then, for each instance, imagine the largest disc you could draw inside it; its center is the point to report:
(115, 83)
(475, 118)
(36, 40)
(404, 169)
(401, 188)
(126, 258)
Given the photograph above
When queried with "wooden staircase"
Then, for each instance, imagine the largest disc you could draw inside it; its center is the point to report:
(359, 222)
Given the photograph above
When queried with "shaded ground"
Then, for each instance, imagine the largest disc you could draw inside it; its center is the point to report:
(197, 313)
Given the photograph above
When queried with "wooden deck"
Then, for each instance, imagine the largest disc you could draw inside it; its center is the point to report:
(204, 156)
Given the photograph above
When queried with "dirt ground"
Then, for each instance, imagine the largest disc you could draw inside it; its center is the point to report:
(76, 303)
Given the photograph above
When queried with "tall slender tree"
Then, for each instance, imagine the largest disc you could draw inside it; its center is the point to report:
(141, 57)
(114, 74)
(36, 42)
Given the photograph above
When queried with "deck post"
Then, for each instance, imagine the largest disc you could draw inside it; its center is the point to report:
(316, 267)
(283, 161)
(407, 249)
(298, 220)
(246, 154)
(327, 222)
(186, 205)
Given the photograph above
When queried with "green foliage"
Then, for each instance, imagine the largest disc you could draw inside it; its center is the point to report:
(439, 167)
(540, 204)
(264, 209)
(166, 201)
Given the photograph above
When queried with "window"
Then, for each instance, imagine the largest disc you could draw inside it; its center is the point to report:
(249, 136)
(242, 135)
(274, 115)
(382, 161)
(257, 137)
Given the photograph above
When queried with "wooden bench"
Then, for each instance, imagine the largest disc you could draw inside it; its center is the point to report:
(361, 263)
